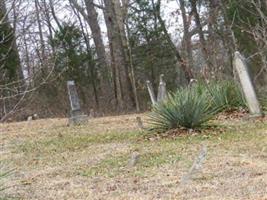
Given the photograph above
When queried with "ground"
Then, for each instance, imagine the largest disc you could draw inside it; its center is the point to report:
(54, 161)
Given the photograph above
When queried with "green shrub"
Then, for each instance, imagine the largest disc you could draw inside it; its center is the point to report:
(226, 94)
(191, 107)
(262, 95)
(188, 108)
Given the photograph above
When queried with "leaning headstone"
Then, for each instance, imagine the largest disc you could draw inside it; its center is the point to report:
(151, 92)
(197, 165)
(247, 86)
(162, 89)
(134, 159)
(76, 115)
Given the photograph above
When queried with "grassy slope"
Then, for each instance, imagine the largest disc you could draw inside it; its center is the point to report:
(53, 161)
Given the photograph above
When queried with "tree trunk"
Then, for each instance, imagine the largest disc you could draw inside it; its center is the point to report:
(228, 36)
(51, 4)
(96, 33)
(40, 30)
(91, 17)
(121, 12)
(42, 54)
(201, 34)
(133, 78)
(115, 68)
(187, 71)
(115, 35)
(49, 25)
(27, 58)
(186, 36)
(92, 64)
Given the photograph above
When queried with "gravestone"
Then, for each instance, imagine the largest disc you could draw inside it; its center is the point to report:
(76, 115)
(197, 165)
(140, 123)
(151, 92)
(192, 82)
(162, 89)
(162, 93)
(134, 159)
(247, 86)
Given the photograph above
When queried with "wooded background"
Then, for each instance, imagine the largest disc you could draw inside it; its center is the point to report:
(111, 47)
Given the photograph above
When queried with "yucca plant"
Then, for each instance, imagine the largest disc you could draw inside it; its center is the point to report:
(226, 95)
(188, 108)
(191, 107)
(262, 95)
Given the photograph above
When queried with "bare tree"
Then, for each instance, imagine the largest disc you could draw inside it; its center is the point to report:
(187, 71)
(201, 34)
(91, 18)
(124, 91)
(40, 29)
(187, 43)
(89, 53)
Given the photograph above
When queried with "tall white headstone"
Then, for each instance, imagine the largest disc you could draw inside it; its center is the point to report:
(162, 89)
(151, 92)
(247, 86)
(76, 116)
(73, 96)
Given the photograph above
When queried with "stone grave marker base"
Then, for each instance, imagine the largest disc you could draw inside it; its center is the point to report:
(78, 120)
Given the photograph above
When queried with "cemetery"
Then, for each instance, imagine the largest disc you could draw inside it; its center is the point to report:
(155, 155)
(133, 100)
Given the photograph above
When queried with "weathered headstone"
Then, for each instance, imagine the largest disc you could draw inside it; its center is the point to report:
(29, 118)
(247, 86)
(76, 115)
(162, 89)
(197, 165)
(134, 159)
(192, 82)
(35, 116)
(151, 92)
(140, 123)
(162, 93)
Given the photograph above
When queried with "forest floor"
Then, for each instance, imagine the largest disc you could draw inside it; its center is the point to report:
(54, 161)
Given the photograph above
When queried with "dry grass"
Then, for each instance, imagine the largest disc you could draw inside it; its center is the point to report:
(53, 161)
